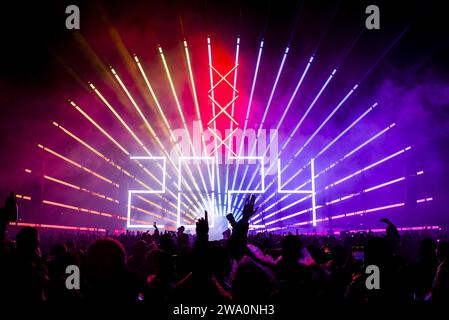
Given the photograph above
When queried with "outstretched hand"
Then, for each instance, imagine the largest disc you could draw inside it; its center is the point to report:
(248, 209)
(202, 226)
(231, 219)
(156, 230)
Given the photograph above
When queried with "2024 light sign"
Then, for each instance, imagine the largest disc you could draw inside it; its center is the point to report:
(210, 161)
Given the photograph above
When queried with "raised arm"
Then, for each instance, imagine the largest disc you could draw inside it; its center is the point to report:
(238, 240)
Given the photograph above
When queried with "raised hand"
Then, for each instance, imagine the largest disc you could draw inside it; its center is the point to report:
(156, 230)
(248, 209)
(231, 219)
(202, 226)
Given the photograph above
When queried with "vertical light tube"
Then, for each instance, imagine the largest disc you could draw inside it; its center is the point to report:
(312, 172)
(178, 105)
(236, 62)
(270, 99)
(286, 109)
(209, 55)
(248, 110)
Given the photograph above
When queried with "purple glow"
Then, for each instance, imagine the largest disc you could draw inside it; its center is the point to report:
(267, 108)
(317, 175)
(248, 109)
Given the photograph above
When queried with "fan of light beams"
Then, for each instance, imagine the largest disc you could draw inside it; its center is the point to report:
(183, 171)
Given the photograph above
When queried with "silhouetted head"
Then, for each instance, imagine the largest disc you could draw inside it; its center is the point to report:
(139, 248)
(27, 241)
(316, 253)
(378, 251)
(59, 250)
(183, 240)
(157, 262)
(291, 248)
(253, 283)
(427, 249)
(339, 254)
(71, 245)
(105, 258)
(166, 243)
(108, 279)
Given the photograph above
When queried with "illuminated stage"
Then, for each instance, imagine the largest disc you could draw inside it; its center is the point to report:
(145, 129)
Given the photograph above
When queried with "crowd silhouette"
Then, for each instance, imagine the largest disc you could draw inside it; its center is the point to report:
(158, 269)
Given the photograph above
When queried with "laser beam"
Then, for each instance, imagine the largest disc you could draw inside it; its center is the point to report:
(299, 123)
(267, 108)
(248, 109)
(78, 165)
